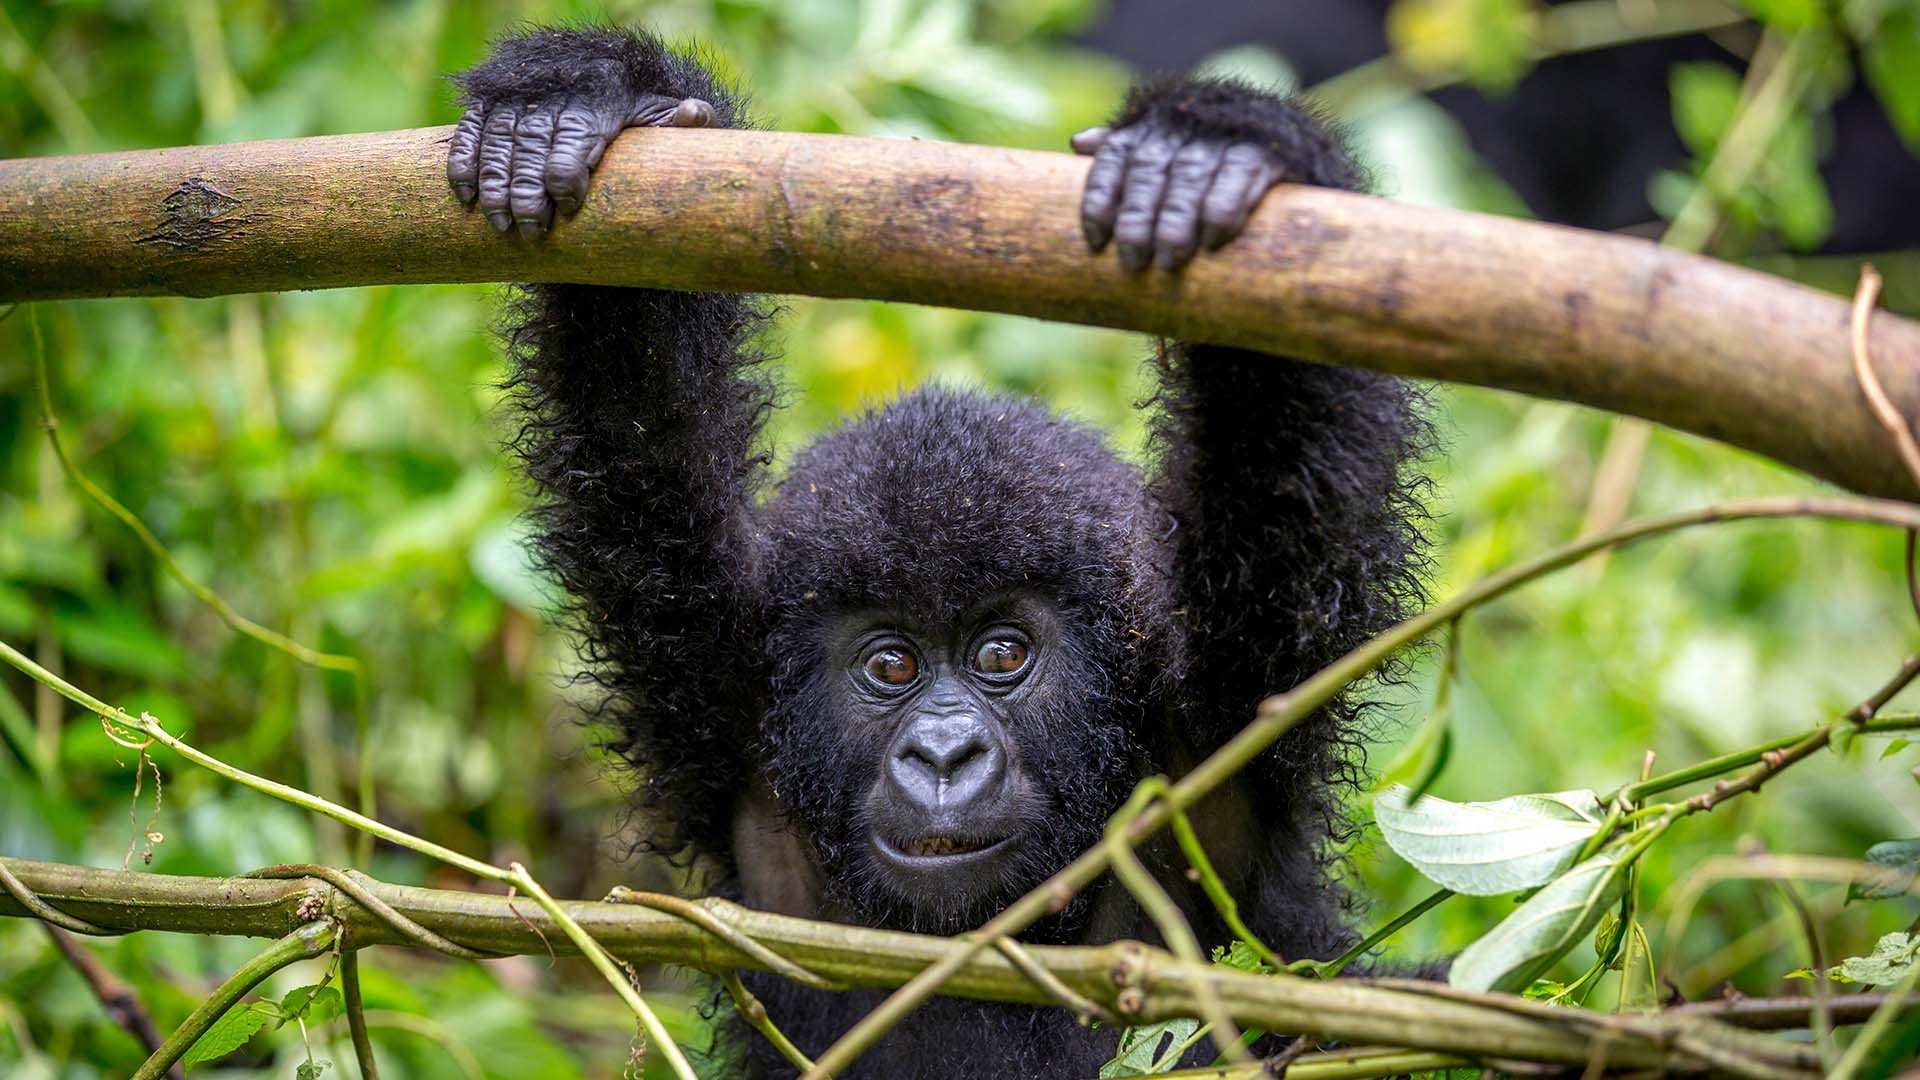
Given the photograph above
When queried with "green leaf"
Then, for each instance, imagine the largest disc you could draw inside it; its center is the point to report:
(1705, 96)
(1526, 943)
(1490, 848)
(229, 1033)
(1890, 57)
(1140, 1047)
(315, 1004)
(1786, 14)
(310, 1069)
(1894, 747)
(1900, 858)
(1840, 740)
(1240, 956)
(1892, 957)
(1420, 761)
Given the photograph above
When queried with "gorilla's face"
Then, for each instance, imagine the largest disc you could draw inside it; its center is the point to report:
(970, 758)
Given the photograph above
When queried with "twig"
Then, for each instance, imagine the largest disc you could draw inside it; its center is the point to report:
(1166, 916)
(713, 924)
(1864, 299)
(1082, 1006)
(308, 941)
(657, 1033)
(755, 1014)
(116, 995)
(1726, 763)
(1822, 1012)
(357, 1014)
(343, 880)
(1329, 968)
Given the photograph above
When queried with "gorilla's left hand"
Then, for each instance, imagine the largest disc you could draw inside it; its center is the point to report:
(1187, 161)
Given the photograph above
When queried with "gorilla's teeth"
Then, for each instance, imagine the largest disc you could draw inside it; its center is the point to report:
(940, 845)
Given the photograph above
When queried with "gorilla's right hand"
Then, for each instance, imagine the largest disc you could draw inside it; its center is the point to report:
(537, 120)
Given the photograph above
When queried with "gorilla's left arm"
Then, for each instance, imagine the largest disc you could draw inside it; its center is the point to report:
(1296, 527)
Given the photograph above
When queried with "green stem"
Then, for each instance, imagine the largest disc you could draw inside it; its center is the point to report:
(1329, 968)
(357, 1014)
(1216, 889)
(603, 963)
(1166, 915)
(755, 1014)
(1727, 763)
(304, 943)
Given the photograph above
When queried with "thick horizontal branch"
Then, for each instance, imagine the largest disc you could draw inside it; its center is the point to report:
(1606, 320)
(1139, 982)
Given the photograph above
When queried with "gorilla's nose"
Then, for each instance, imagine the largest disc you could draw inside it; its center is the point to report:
(946, 762)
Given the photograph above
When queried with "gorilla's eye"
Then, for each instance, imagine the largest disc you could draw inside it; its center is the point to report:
(893, 667)
(1000, 656)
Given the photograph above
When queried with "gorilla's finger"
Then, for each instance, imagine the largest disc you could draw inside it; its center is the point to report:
(1140, 203)
(1086, 142)
(579, 138)
(527, 184)
(496, 164)
(1100, 199)
(1244, 176)
(463, 157)
(1176, 232)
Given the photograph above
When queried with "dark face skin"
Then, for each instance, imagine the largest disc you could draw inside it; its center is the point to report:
(941, 711)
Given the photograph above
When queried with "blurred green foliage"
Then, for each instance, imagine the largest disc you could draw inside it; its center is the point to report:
(329, 463)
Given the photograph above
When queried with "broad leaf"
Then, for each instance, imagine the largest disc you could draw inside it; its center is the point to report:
(1892, 957)
(1490, 848)
(1141, 1047)
(1541, 930)
(1900, 859)
(229, 1033)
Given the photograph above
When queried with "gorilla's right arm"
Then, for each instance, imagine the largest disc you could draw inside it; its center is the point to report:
(640, 410)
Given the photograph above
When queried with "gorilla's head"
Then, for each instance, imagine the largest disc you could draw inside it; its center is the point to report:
(968, 607)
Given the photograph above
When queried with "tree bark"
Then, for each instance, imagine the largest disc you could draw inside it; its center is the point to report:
(1605, 320)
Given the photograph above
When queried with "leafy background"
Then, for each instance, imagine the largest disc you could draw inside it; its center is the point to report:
(329, 463)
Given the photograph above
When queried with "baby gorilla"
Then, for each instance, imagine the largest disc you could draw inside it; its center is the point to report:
(920, 673)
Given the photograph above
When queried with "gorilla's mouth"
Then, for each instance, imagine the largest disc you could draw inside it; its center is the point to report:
(940, 845)
(936, 848)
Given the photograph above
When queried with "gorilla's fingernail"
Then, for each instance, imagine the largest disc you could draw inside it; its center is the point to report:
(692, 113)
(1088, 141)
(568, 207)
(1133, 257)
(501, 220)
(465, 193)
(1172, 258)
(1213, 237)
(531, 228)
(1096, 234)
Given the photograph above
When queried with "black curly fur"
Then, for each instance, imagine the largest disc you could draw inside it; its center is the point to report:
(1278, 530)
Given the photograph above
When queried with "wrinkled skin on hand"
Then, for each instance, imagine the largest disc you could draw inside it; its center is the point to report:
(520, 163)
